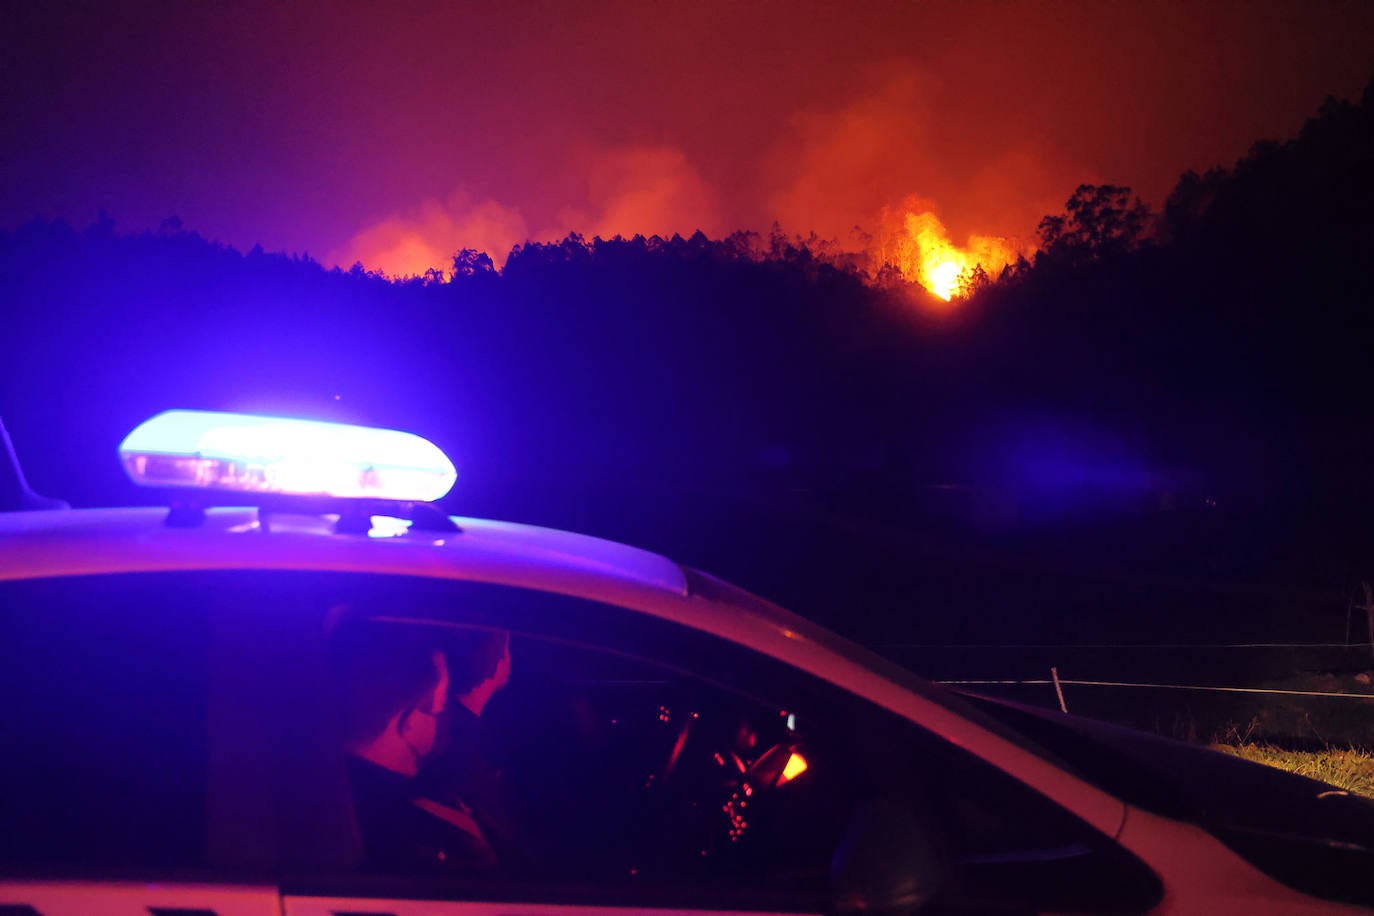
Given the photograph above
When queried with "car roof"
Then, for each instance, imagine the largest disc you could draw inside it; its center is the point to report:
(95, 541)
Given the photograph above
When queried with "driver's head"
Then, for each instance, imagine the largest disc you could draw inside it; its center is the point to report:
(391, 682)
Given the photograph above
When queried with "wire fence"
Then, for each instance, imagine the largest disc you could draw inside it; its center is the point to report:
(1187, 688)
(1132, 645)
(1128, 682)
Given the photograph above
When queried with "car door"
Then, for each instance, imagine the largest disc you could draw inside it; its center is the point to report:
(173, 730)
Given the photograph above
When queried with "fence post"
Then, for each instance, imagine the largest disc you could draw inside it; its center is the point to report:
(1369, 613)
(1349, 605)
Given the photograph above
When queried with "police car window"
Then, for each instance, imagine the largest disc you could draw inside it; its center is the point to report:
(104, 690)
(673, 782)
(641, 762)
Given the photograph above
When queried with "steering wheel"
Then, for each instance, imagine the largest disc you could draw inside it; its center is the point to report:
(713, 778)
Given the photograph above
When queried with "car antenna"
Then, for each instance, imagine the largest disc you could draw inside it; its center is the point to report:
(15, 492)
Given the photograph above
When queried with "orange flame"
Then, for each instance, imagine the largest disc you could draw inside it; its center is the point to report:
(916, 243)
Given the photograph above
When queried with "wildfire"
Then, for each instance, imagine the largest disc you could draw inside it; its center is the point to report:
(915, 241)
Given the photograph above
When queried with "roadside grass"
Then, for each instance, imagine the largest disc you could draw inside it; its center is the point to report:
(1349, 768)
(1329, 721)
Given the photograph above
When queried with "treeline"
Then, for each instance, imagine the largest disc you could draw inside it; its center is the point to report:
(652, 359)
(1275, 250)
(1239, 312)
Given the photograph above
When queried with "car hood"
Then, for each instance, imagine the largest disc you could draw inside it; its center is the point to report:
(1226, 795)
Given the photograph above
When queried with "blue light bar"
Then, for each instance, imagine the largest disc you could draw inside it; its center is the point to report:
(209, 450)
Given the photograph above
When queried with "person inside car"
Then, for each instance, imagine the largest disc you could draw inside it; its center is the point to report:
(392, 684)
(464, 769)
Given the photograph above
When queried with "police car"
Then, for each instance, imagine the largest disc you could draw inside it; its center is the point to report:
(666, 742)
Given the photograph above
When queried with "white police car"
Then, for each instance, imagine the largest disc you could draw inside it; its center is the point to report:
(667, 742)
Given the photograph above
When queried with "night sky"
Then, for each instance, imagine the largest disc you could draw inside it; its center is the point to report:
(396, 133)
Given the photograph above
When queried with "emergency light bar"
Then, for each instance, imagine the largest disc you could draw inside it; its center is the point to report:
(209, 450)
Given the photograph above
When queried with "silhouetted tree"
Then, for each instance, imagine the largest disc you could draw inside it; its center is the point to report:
(1099, 221)
(470, 262)
(972, 282)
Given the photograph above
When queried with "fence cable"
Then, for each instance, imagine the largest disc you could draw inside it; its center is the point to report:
(1042, 682)
(1134, 645)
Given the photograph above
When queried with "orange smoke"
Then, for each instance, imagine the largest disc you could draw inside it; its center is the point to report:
(914, 241)
(426, 238)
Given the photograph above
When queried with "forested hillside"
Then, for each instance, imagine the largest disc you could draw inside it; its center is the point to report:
(1177, 358)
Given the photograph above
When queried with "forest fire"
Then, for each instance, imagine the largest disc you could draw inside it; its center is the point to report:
(915, 241)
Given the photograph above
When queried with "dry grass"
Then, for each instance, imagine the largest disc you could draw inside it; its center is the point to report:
(1349, 769)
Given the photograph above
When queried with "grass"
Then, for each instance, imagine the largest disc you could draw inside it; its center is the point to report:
(1349, 768)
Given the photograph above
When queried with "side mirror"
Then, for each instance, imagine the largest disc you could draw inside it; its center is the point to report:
(14, 489)
(890, 860)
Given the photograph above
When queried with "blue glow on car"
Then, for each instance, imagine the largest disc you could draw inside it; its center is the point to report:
(229, 451)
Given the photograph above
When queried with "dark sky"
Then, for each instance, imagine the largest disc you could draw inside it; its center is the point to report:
(397, 132)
